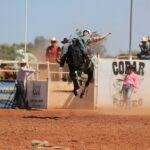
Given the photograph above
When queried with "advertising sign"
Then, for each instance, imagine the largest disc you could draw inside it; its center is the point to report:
(37, 92)
(7, 93)
(111, 74)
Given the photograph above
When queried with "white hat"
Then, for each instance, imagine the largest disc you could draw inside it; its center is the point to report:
(53, 39)
(87, 30)
(144, 39)
(22, 62)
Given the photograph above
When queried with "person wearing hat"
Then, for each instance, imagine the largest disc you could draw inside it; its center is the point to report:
(64, 50)
(53, 51)
(83, 39)
(148, 40)
(144, 46)
(130, 84)
(20, 99)
(88, 39)
(65, 46)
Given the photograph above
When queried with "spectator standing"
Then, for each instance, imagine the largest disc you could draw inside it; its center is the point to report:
(148, 39)
(65, 46)
(53, 56)
(130, 85)
(145, 48)
(53, 51)
(64, 50)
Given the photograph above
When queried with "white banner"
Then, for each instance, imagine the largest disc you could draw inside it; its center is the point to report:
(37, 94)
(110, 74)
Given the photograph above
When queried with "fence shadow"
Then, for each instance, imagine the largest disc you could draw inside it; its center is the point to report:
(40, 117)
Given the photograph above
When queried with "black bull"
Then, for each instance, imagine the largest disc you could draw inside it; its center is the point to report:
(81, 76)
(79, 63)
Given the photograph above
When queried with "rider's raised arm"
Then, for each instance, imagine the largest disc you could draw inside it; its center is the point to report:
(97, 38)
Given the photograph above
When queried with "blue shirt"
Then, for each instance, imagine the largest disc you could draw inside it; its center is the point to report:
(85, 39)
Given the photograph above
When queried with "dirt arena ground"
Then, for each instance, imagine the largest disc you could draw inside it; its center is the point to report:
(74, 129)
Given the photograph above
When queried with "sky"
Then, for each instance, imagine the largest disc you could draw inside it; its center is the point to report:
(60, 18)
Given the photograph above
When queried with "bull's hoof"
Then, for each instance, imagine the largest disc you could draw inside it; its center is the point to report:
(82, 94)
(77, 92)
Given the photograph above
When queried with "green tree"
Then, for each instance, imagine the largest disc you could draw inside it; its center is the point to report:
(38, 48)
(7, 52)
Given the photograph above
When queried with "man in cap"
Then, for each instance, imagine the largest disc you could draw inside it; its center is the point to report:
(20, 99)
(144, 46)
(53, 51)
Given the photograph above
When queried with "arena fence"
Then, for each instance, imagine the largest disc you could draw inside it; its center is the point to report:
(51, 87)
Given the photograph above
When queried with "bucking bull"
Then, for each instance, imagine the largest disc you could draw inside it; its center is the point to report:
(80, 63)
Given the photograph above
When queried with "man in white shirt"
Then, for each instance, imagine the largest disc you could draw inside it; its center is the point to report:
(20, 98)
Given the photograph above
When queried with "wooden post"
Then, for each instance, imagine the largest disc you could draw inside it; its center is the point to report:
(48, 85)
(37, 68)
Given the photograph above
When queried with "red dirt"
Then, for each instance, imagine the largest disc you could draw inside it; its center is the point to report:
(74, 129)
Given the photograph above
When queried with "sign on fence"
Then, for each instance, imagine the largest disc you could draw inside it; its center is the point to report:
(7, 93)
(37, 94)
(110, 75)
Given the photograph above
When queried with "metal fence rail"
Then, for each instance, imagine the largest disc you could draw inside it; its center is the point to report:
(46, 70)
